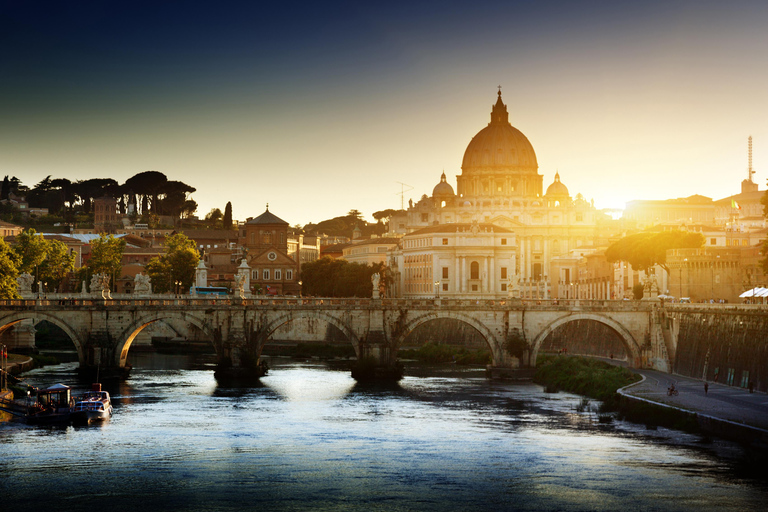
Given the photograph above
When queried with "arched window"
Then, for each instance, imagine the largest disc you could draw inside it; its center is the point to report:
(474, 270)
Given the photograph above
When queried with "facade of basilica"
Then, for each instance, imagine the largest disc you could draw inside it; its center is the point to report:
(499, 230)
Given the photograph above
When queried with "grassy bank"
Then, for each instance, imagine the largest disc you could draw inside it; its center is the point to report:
(584, 376)
(600, 380)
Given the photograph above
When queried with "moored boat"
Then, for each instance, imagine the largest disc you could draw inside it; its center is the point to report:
(53, 406)
(94, 405)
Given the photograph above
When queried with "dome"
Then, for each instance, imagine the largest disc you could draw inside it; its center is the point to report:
(557, 188)
(499, 145)
(443, 189)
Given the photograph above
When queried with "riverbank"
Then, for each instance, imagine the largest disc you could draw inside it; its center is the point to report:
(640, 396)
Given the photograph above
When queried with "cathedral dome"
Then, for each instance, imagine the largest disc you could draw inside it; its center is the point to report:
(499, 145)
(443, 189)
(557, 188)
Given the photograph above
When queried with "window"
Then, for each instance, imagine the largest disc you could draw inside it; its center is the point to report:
(579, 217)
(265, 274)
(266, 237)
(445, 287)
(503, 272)
(445, 272)
(282, 238)
(503, 287)
(474, 270)
(445, 241)
(503, 241)
(713, 241)
(255, 275)
(424, 217)
(474, 287)
(289, 275)
(278, 274)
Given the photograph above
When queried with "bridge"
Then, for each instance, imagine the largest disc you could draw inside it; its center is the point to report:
(103, 330)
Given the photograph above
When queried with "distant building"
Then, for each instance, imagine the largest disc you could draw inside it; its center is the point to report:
(8, 229)
(265, 239)
(106, 215)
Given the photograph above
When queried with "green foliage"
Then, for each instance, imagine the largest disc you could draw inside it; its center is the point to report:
(32, 250)
(436, 353)
(516, 344)
(177, 264)
(644, 250)
(9, 271)
(106, 256)
(327, 277)
(590, 377)
(227, 220)
(637, 291)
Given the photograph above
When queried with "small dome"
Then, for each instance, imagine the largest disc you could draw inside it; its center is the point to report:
(443, 189)
(557, 188)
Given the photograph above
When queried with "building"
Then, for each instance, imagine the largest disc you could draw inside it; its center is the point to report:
(106, 215)
(454, 260)
(371, 250)
(500, 186)
(265, 240)
(8, 229)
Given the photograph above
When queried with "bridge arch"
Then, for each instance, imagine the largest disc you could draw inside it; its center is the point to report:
(129, 333)
(281, 319)
(421, 318)
(630, 344)
(14, 318)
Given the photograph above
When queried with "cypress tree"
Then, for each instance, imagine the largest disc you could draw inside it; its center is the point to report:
(228, 216)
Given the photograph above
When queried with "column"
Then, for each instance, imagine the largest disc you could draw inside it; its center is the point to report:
(464, 274)
(492, 275)
(484, 286)
(456, 276)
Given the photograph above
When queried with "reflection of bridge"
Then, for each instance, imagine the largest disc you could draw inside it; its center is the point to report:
(103, 330)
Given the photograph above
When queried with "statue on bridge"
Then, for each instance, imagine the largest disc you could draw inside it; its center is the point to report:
(100, 286)
(240, 279)
(142, 284)
(375, 280)
(513, 288)
(24, 282)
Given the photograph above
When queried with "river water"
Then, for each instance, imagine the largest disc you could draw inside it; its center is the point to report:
(310, 438)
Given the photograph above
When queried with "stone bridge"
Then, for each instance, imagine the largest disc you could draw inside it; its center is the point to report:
(103, 330)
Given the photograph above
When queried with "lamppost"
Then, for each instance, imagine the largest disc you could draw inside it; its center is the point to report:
(437, 289)
(300, 283)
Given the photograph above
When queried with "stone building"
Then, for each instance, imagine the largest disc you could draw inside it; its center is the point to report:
(265, 241)
(454, 260)
(500, 186)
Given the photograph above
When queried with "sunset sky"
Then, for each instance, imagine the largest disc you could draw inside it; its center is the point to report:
(320, 108)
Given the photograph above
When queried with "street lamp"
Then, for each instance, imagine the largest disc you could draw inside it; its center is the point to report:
(300, 290)
(437, 289)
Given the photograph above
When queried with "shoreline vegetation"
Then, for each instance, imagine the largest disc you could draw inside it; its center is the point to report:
(600, 381)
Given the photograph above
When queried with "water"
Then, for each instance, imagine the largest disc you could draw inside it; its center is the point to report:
(310, 438)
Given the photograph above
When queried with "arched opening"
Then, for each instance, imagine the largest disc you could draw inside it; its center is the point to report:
(474, 270)
(308, 336)
(167, 342)
(445, 340)
(590, 335)
(585, 338)
(40, 333)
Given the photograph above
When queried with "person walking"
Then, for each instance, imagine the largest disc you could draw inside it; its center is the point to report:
(706, 387)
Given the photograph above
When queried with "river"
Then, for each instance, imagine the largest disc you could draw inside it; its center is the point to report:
(310, 438)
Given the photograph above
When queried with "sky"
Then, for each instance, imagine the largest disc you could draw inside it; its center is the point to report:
(325, 107)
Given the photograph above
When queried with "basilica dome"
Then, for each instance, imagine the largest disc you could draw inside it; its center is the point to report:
(443, 189)
(499, 145)
(557, 188)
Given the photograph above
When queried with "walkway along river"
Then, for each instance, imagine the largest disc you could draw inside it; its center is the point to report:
(309, 437)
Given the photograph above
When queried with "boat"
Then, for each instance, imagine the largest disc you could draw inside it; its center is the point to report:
(94, 405)
(53, 406)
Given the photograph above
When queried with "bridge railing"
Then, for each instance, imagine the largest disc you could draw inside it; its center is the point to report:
(386, 303)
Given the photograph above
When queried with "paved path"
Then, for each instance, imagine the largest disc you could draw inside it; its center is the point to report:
(724, 402)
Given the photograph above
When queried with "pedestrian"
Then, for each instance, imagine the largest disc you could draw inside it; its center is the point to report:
(706, 387)
(751, 386)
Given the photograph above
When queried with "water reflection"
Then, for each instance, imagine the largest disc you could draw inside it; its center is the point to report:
(308, 437)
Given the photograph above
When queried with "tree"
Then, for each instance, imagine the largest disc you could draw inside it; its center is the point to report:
(644, 250)
(106, 256)
(9, 271)
(214, 218)
(57, 264)
(146, 186)
(32, 249)
(227, 222)
(355, 214)
(177, 264)
(6, 189)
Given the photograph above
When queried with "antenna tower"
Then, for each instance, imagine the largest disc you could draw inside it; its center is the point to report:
(750, 171)
(402, 192)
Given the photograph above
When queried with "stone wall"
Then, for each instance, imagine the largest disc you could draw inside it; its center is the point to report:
(729, 347)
